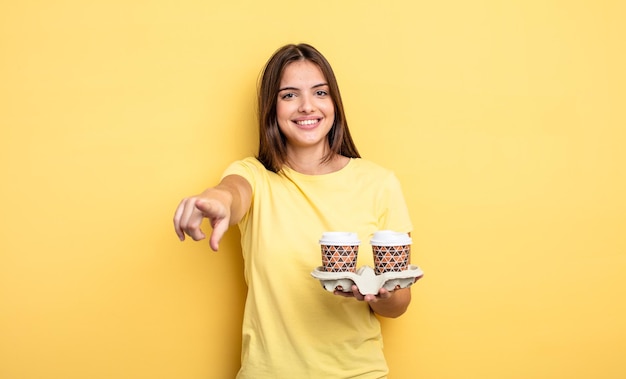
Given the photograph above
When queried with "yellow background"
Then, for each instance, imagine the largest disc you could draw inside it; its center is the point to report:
(503, 119)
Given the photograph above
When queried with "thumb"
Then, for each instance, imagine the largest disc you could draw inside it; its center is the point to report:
(210, 208)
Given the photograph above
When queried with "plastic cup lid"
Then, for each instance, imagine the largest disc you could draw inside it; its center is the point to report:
(340, 238)
(390, 238)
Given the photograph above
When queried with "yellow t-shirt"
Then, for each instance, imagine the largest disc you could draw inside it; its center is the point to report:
(292, 327)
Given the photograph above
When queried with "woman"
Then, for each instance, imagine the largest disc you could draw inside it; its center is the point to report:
(308, 178)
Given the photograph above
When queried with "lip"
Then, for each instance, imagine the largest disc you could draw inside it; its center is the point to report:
(307, 122)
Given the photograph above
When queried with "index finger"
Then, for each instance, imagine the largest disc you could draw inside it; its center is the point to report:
(177, 217)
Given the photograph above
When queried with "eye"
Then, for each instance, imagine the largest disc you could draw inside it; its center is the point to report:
(321, 93)
(288, 95)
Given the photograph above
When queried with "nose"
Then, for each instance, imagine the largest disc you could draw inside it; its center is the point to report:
(306, 105)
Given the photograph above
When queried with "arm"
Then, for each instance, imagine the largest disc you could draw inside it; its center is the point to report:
(394, 305)
(224, 205)
(387, 304)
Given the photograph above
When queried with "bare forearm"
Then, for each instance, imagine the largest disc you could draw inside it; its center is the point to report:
(393, 306)
(235, 192)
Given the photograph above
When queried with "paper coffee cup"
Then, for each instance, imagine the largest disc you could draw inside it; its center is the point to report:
(391, 251)
(339, 251)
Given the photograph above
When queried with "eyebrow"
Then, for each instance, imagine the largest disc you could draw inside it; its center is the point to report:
(297, 89)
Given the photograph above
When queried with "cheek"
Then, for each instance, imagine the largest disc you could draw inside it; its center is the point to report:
(284, 111)
(330, 112)
(330, 106)
(280, 110)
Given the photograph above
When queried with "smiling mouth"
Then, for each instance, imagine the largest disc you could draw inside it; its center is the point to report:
(307, 122)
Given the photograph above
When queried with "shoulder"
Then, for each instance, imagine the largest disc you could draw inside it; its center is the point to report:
(249, 163)
(365, 166)
(367, 173)
(250, 168)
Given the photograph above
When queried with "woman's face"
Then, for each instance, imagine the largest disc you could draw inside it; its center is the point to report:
(304, 109)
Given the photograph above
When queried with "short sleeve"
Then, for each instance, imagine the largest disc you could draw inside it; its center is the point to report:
(395, 214)
(246, 168)
(251, 170)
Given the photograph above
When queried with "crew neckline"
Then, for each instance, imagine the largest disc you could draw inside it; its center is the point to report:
(291, 172)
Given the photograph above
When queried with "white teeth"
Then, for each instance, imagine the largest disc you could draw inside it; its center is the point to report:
(307, 122)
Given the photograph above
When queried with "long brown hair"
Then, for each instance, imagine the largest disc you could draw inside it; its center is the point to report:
(272, 142)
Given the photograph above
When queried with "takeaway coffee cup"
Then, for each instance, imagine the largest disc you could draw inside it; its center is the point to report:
(339, 251)
(391, 251)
